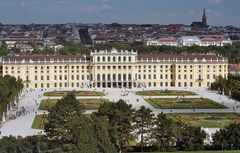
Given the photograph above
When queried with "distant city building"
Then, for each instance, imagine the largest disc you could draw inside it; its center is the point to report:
(189, 41)
(200, 25)
(234, 69)
(216, 42)
(45, 36)
(161, 42)
(23, 48)
(115, 68)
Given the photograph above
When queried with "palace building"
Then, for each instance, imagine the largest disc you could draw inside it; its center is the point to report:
(115, 68)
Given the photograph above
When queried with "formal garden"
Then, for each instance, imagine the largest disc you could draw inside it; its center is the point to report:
(89, 104)
(184, 103)
(165, 93)
(77, 93)
(207, 120)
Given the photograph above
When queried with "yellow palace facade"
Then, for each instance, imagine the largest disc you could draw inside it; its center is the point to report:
(115, 68)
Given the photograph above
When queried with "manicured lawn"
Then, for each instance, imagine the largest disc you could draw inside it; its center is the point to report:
(184, 103)
(89, 104)
(208, 120)
(77, 93)
(194, 152)
(165, 93)
(39, 121)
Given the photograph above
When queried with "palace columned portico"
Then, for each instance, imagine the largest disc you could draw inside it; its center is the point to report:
(115, 84)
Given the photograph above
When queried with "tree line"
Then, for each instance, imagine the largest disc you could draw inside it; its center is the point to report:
(232, 52)
(9, 90)
(228, 86)
(111, 129)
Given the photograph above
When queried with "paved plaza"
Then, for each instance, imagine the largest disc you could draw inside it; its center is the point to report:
(21, 126)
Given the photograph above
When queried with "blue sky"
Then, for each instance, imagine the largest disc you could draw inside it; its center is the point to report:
(219, 12)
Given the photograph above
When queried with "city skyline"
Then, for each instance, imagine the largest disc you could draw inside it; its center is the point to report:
(219, 12)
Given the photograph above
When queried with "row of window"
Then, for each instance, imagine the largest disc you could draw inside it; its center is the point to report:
(119, 77)
(179, 84)
(114, 77)
(114, 59)
(119, 67)
(114, 67)
(60, 71)
(48, 67)
(60, 77)
(58, 85)
(150, 84)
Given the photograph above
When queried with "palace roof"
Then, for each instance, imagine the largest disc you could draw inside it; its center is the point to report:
(45, 58)
(180, 57)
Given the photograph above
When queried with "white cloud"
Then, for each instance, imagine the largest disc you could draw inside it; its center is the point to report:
(215, 1)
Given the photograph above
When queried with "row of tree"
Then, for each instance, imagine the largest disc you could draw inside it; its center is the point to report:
(232, 52)
(230, 86)
(3, 49)
(9, 90)
(111, 129)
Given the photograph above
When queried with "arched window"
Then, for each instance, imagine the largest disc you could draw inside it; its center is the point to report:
(98, 77)
(103, 77)
(108, 77)
(114, 77)
(109, 59)
(114, 59)
(103, 59)
(98, 59)
(199, 77)
(119, 58)
(124, 58)
(119, 77)
(129, 77)
(124, 77)
(129, 59)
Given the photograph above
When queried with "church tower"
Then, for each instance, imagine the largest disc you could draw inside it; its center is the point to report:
(204, 18)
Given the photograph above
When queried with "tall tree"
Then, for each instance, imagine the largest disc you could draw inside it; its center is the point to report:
(143, 123)
(63, 118)
(69, 130)
(192, 139)
(120, 116)
(165, 133)
(101, 132)
(227, 138)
